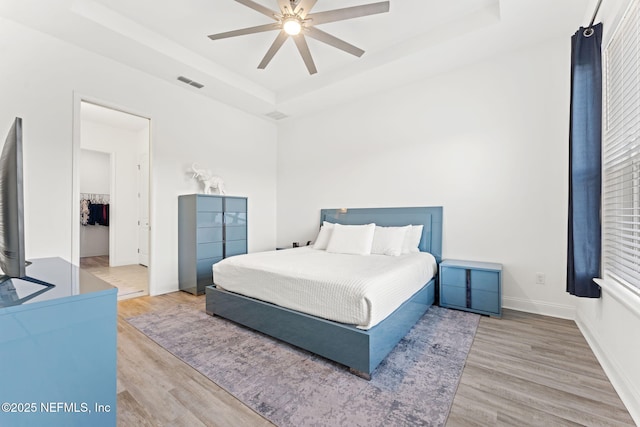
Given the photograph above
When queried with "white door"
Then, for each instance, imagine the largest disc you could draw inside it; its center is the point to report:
(143, 210)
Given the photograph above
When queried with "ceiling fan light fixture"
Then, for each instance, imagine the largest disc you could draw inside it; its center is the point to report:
(294, 20)
(292, 26)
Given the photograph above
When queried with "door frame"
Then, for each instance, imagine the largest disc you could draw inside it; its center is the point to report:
(78, 98)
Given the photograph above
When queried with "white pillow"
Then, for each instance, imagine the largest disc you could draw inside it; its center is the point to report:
(412, 239)
(323, 236)
(389, 240)
(351, 239)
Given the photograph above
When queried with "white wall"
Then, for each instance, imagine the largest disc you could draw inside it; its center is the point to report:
(38, 80)
(95, 171)
(611, 323)
(95, 178)
(487, 142)
(123, 146)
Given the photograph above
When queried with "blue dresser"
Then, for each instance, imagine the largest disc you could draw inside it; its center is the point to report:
(471, 286)
(57, 348)
(210, 228)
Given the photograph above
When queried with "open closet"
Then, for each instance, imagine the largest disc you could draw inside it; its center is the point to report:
(95, 183)
(113, 198)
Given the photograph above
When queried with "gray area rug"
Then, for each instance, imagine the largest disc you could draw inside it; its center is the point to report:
(414, 386)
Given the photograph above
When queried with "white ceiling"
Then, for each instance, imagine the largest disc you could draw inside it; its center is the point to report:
(416, 39)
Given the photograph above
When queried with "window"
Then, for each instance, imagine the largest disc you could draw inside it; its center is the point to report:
(621, 153)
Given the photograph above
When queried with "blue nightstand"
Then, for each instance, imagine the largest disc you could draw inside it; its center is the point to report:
(471, 286)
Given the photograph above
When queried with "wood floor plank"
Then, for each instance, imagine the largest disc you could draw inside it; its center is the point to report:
(535, 370)
(517, 373)
(514, 392)
(132, 413)
(549, 376)
(171, 392)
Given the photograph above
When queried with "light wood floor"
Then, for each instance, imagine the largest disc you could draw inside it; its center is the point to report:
(132, 280)
(523, 370)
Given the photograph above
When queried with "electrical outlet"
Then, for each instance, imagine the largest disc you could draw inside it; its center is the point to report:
(540, 279)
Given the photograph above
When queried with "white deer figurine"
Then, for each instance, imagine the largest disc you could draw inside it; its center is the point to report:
(210, 182)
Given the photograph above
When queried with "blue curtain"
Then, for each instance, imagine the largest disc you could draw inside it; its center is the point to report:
(585, 163)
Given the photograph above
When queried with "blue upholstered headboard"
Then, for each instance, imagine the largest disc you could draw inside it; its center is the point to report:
(429, 217)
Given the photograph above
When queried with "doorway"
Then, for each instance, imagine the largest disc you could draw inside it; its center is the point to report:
(112, 172)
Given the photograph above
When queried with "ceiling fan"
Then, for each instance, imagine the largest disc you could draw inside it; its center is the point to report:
(295, 20)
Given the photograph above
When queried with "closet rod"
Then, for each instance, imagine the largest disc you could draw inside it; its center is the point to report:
(100, 196)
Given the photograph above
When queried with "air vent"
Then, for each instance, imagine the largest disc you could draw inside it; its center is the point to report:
(276, 115)
(190, 82)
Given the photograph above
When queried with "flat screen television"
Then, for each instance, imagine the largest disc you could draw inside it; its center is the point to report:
(12, 260)
(15, 286)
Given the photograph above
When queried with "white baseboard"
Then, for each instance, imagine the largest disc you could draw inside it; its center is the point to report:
(628, 392)
(540, 307)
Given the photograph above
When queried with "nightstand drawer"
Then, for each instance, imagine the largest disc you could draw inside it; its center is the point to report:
(485, 280)
(485, 301)
(453, 276)
(471, 286)
(478, 300)
(453, 296)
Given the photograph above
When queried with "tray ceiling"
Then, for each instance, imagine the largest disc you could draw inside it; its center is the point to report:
(416, 39)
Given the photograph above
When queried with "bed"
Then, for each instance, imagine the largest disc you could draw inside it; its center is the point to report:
(361, 347)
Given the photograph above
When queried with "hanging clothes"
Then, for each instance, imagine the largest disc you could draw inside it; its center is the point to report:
(105, 214)
(96, 216)
(94, 211)
(84, 211)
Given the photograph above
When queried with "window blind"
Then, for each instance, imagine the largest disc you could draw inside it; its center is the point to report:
(621, 153)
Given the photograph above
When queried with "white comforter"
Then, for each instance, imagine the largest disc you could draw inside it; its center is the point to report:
(353, 289)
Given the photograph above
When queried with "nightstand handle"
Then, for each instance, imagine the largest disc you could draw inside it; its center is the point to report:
(468, 284)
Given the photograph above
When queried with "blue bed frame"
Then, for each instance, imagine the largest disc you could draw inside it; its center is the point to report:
(360, 350)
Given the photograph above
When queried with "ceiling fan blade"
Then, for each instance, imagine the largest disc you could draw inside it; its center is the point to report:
(242, 32)
(348, 13)
(260, 8)
(285, 7)
(304, 7)
(303, 48)
(277, 44)
(333, 41)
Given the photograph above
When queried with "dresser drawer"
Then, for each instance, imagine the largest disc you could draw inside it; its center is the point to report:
(235, 205)
(236, 247)
(236, 233)
(205, 270)
(209, 250)
(209, 234)
(209, 204)
(235, 218)
(210, 219)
